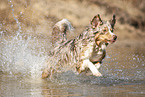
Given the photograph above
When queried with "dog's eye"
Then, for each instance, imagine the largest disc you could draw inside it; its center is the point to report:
(105, 30)
(96, 32)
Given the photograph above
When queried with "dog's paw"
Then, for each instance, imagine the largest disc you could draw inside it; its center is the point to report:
(45, 74)
(98, 74)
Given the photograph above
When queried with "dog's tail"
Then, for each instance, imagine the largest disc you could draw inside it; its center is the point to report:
(60, 31)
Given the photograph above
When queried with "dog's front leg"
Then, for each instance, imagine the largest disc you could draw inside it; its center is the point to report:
(91, 66)
(97, 65)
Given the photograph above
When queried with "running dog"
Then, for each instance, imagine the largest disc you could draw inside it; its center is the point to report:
(85, 52)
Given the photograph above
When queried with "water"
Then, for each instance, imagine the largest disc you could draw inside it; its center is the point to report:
(24, 56)
(123, 72)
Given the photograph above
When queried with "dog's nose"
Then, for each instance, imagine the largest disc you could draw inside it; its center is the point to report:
(114, 37)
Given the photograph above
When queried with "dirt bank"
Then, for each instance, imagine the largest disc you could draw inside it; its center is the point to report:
(38, 16)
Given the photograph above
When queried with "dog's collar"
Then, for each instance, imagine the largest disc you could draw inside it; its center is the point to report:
(97, 62)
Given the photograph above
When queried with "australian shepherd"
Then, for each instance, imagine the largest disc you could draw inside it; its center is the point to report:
(85, 52)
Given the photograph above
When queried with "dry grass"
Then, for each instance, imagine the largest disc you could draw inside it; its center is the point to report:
(38, 16)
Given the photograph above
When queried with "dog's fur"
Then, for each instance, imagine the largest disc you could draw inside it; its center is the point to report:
(85, 51)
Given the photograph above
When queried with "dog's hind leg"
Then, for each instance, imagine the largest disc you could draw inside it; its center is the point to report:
(45, 73)
(48, 72)
(91, 66)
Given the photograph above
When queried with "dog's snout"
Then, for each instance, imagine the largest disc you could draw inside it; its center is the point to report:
(114, 37)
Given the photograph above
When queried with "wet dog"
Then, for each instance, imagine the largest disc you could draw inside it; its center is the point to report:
(85, 52)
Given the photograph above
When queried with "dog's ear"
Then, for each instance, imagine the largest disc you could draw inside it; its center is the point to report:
(113, 21)
(95, 21)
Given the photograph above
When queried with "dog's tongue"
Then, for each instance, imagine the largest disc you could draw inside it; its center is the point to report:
(112, 41)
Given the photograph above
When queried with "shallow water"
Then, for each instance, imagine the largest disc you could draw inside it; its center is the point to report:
(19, 88)
(22, 65)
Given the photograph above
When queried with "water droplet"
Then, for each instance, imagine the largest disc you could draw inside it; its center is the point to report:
(11, 6)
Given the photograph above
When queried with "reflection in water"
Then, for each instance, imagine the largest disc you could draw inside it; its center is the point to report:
(11, 87)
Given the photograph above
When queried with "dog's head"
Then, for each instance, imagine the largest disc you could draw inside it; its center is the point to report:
(103, 30)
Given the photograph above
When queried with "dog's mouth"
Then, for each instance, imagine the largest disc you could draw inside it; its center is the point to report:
(112, 40)
(107, 40)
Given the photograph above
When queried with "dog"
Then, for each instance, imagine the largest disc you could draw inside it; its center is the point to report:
(83, 53)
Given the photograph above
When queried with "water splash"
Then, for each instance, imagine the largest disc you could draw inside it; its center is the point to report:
(22, 55)
(17, 21)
